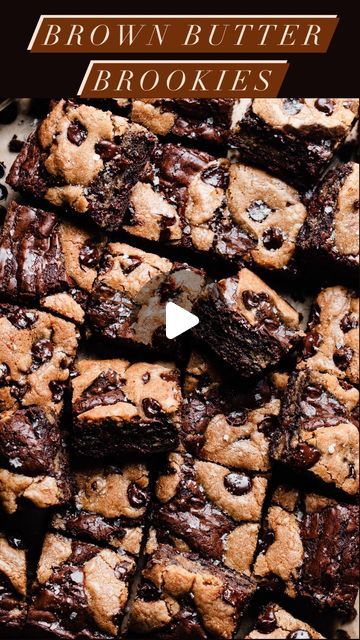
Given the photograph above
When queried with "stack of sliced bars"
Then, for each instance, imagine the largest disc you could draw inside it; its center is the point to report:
(205, 487)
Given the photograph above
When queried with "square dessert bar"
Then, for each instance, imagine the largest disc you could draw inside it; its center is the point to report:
(245, 323)
(108, 506)
(184, 596)
(81, 590)
(37, 350)
(33, 460)
(85, 160)
(318, 429)
(309, 549)
(275, 622)
(210, 509)
(45, 261)
(331, 344)
(225, 422)
(294, 138)
(13, 584)
(123, 408)
(180, 199)
(129, 296)
(238, 213)
(196, 120)
(330, 235)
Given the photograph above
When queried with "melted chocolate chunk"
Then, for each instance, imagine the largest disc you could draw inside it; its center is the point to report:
(267, 621)
(107, 150)
(252, 299)
(325, 105)
(107, 381)
(151, 407)
(292, 106)
(216, 176)
(21, 318)
(2, 170)
(258, 211)
(145, 377)
(305, 456)
(299, 634)
(57, 390)
(273, 238)
(76, 133)
(137, 496)
(4, 372)
(42, 351)
(149, 592)
(311, 344)
(342, 357)
(89, 256)
(237, 483)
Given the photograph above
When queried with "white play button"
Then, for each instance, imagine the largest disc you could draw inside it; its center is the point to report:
(178, 320)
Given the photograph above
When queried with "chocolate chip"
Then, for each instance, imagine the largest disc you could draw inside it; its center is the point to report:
(311, 344)
(76, 133)
(273, 238)
(22, 319)
(15, 145)
(3, 192)
(89, 256)
(258, 211)
(137, 496)
(4, 372)
(267, 621)
(217, 176)
(342, 357)
(121, 570)
(149, 592)
(299, 634)
(107, 150)
(305, 456)
(252, 299)
(151, 407)
(57, 390)
(19, 390)
(348, 322)
(292, 106)
(325, 105)
(237, 483)
(230, 596)
(2, 170)
(145, 377)
(42, 351)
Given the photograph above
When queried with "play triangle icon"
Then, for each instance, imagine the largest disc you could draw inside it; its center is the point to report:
(178, 320)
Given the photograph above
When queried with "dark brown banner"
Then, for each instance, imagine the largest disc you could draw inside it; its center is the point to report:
(195, 78)
(183, 34)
